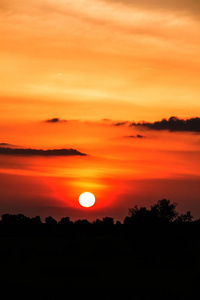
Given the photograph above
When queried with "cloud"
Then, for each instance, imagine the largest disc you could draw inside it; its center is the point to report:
(138, 136)
(55, 120)
(31, 152)
(172, 124)
(191, 7)
(120, 123)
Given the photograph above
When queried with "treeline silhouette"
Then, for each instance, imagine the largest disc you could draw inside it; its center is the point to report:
(162, 215)
(152, 254)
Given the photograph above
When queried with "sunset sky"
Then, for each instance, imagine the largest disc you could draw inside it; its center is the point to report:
(95, 76)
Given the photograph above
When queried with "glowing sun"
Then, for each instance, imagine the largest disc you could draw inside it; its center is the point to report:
(86, 199)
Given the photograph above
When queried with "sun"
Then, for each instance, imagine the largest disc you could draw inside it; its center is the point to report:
(86, 199)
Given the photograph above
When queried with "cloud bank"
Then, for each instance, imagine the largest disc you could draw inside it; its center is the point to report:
(172, 124)
(39, 152)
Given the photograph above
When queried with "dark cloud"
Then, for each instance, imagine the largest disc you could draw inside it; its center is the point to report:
(55, 120)
(30, 152)
(173, 124)
(120, 123)
(138, 136)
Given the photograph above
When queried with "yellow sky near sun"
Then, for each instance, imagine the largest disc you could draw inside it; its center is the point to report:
(97, 51)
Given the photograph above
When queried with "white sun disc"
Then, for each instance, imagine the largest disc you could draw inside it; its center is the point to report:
(86, 199)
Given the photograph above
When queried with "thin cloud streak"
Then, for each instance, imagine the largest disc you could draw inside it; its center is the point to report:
(120, 124)
(138, 136)
(31, 152)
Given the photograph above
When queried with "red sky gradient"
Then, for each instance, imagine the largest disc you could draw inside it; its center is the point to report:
(94, 64)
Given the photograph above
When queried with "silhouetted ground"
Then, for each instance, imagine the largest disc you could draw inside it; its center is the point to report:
(99, 267)
(135, 260)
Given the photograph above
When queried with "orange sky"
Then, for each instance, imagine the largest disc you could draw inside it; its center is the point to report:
(85, 61)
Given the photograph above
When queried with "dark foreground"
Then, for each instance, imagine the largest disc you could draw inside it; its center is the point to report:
(154, 254)
(102, 267)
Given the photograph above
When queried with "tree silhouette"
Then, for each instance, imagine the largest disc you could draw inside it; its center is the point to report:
(108, 221)
(184, 218)
(142, 222)
(50, 221)
(164, 210)
(51, 224)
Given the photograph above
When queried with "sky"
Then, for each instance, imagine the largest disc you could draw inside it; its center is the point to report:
(99, 77)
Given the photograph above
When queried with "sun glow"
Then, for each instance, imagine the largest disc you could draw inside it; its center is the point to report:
(86, 199)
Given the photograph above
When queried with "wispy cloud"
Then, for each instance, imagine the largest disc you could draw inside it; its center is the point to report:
(191, 7)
